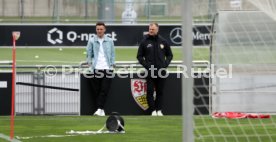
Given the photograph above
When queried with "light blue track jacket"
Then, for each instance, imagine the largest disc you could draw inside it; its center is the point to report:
(92, 50)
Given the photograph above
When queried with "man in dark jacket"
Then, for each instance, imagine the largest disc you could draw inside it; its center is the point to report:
(155, 54)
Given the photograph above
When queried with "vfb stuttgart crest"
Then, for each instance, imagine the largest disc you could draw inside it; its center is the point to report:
(139, 92)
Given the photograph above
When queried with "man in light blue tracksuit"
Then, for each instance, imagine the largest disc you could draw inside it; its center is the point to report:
(101, 59)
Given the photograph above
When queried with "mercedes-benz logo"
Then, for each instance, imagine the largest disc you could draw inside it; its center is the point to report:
(175, 35)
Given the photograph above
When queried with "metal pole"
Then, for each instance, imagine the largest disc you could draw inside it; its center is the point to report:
(56, 11)
(86, 9)
(3, 8)
(21, 9)
(212, 7)
(149, 12)
(33, 94)
(39, 93)
(100, 6)
(187, 82)
(33, 12)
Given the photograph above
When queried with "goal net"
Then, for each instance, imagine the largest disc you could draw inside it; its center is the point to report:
(245, 45)
(242, 72)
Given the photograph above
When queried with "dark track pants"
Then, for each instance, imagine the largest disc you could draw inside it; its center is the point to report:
(100, 83)
(158, 85)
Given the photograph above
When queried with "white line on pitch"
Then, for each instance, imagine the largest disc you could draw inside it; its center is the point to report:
(46, 61)
(8, 138)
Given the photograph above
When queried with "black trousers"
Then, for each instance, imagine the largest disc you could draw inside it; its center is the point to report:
(156, 84)
(100, 83)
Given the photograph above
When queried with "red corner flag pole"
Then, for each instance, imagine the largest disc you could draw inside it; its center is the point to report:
(15, 36)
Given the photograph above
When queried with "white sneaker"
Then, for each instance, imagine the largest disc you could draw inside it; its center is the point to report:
(102, 112)
(154, 113)
(159, 113)
(99, 112)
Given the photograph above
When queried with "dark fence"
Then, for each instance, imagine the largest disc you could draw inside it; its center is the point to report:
(68, 93)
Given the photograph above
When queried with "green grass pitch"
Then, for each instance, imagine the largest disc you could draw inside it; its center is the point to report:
(139, 129)
(73, 56)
